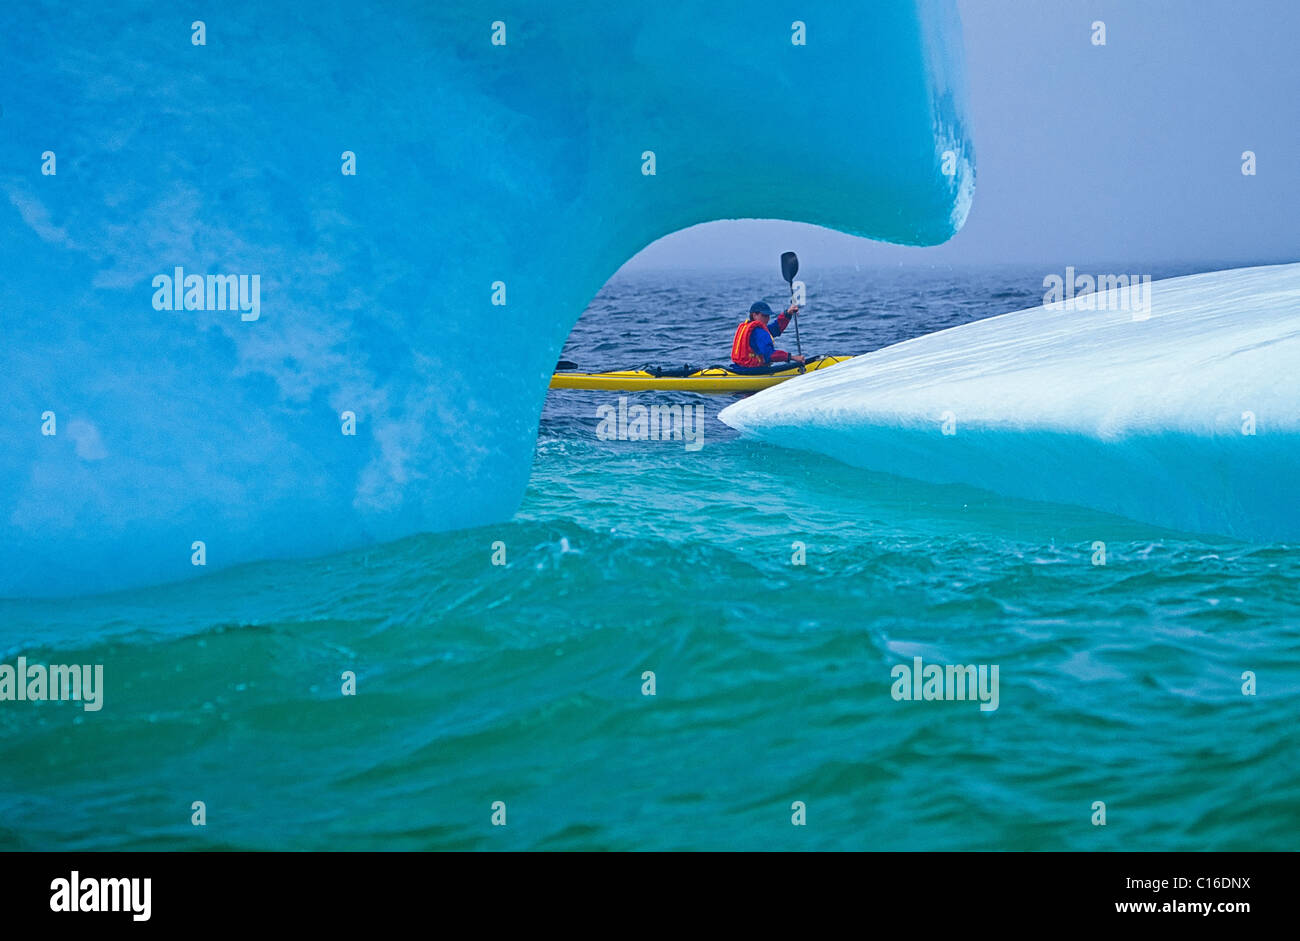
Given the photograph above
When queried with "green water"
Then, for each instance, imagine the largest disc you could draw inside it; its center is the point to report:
(522, 682)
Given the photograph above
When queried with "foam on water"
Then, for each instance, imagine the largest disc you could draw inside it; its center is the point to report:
(1146, 418)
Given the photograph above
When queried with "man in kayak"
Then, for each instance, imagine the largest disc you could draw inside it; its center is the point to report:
(752, 347)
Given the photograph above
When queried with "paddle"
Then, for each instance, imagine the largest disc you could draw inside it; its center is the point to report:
(790, 268)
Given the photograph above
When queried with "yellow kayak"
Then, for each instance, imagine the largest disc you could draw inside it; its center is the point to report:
(683, 379)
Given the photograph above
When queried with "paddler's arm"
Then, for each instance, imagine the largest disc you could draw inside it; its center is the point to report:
(782, 321)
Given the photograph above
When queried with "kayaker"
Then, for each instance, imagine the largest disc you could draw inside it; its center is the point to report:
(752, 346)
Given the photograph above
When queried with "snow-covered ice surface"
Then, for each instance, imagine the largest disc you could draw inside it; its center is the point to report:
(1146, 418)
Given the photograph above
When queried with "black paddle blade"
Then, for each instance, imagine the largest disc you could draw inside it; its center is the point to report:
(565, 364)
(789, 265)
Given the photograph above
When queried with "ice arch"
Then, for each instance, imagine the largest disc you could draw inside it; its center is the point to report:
(521, 165)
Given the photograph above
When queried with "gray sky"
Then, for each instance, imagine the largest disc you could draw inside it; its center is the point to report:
(1129, 152)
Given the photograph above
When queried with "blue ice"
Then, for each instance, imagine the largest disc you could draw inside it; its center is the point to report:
(514, 171)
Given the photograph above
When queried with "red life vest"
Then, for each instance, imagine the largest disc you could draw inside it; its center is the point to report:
(741, 352)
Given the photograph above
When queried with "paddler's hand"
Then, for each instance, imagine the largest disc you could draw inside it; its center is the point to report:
(799, 359)
(794, 309)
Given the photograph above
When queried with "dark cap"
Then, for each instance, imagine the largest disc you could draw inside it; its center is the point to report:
(760, 307)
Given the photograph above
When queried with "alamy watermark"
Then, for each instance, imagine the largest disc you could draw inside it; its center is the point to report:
(81, 682)
(955, 681)
(1129, 292)
(622, 422)
(88, 894)
(181, 291)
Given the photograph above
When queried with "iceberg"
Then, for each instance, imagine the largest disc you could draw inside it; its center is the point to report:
(1183, 412)
(428, 196)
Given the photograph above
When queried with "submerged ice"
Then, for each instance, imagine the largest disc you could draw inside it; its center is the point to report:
(428, 197)
(1186, 415)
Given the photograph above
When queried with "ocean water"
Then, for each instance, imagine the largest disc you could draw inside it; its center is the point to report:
(522, 682)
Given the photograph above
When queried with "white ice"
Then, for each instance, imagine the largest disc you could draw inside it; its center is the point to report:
(1186, 417)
